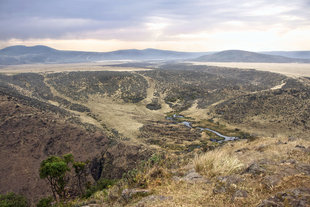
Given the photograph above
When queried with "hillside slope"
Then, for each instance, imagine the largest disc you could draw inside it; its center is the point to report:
(30, 132)
(117, 120)
(20, 54)
(290, 54)
(245, 56)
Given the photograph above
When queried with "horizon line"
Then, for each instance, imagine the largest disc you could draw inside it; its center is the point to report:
(149, 48)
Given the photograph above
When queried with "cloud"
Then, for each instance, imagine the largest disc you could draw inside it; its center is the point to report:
(154, 20)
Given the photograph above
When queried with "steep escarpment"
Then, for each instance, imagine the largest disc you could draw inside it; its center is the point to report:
(29, 134)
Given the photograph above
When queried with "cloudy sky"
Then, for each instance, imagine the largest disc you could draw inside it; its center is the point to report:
(184, 25)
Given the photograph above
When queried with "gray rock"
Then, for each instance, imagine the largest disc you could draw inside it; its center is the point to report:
(292, 139)
(307, 150)
(280, 142)
(152, 198)
(239, 194)
(255, 169)
(230, 179)
(128, 194)
(227, 184)
(193, 177)
(299, 197)
(271, 181)
(303, 168)
(219, 188)
(289, 161)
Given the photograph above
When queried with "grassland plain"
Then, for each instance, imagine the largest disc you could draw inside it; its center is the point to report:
(127, 107)
(289, 69)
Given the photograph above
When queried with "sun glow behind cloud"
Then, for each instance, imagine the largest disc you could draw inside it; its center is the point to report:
(176, 25)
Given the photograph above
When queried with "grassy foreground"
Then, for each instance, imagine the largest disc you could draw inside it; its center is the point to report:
(261, 172)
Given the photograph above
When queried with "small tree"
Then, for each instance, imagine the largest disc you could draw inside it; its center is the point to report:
(54, 169)
(80, 173)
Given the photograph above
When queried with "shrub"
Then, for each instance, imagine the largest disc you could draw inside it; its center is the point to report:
(99, 186)
(217, 162)
(13, 200)
(81, 174)
(45, 202)
(147, 172)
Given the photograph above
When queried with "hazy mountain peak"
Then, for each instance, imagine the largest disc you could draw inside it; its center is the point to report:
(246, 56)
(22, 49)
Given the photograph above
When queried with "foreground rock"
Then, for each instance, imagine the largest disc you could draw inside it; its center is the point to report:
(299, 197)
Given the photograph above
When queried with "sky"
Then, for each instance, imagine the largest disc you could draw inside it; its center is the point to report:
(181, 25)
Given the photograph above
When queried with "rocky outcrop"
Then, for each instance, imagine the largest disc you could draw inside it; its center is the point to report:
(299, 197)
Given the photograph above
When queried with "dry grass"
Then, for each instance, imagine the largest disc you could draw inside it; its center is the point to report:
(228, 161)
(217, 162)
(290, 69)
(126, 118)
(69, 67)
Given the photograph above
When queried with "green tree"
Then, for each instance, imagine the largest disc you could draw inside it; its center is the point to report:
(55, 169)
(80, 173)
(13, 200)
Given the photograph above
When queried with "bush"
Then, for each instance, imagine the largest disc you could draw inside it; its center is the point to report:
(45, 202)
(147, 172)
(99, 186)
(13, 200)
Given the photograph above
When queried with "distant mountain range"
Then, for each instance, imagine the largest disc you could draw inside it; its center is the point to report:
(245, 56)
(42, 54)
(290, 54)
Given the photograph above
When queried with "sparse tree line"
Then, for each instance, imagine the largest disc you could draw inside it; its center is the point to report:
(58, 172)
(67, 179)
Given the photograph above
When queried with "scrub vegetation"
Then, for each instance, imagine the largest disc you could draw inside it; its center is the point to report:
(138, 138)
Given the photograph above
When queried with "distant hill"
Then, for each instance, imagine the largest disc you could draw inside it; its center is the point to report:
(42, 54)
(245, 56)
(290, 54)
(21, 54)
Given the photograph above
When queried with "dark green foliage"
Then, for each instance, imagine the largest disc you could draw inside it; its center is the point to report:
(153, 106)
(33, 82)
(54, 169)
(80, 85)
(80, 173)
(57, 171)
(13, 200)
(100, 185)
(45, 202)
(68, 158)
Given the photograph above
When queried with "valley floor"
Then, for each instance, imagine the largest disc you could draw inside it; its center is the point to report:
(142, 126)
(289, 69)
